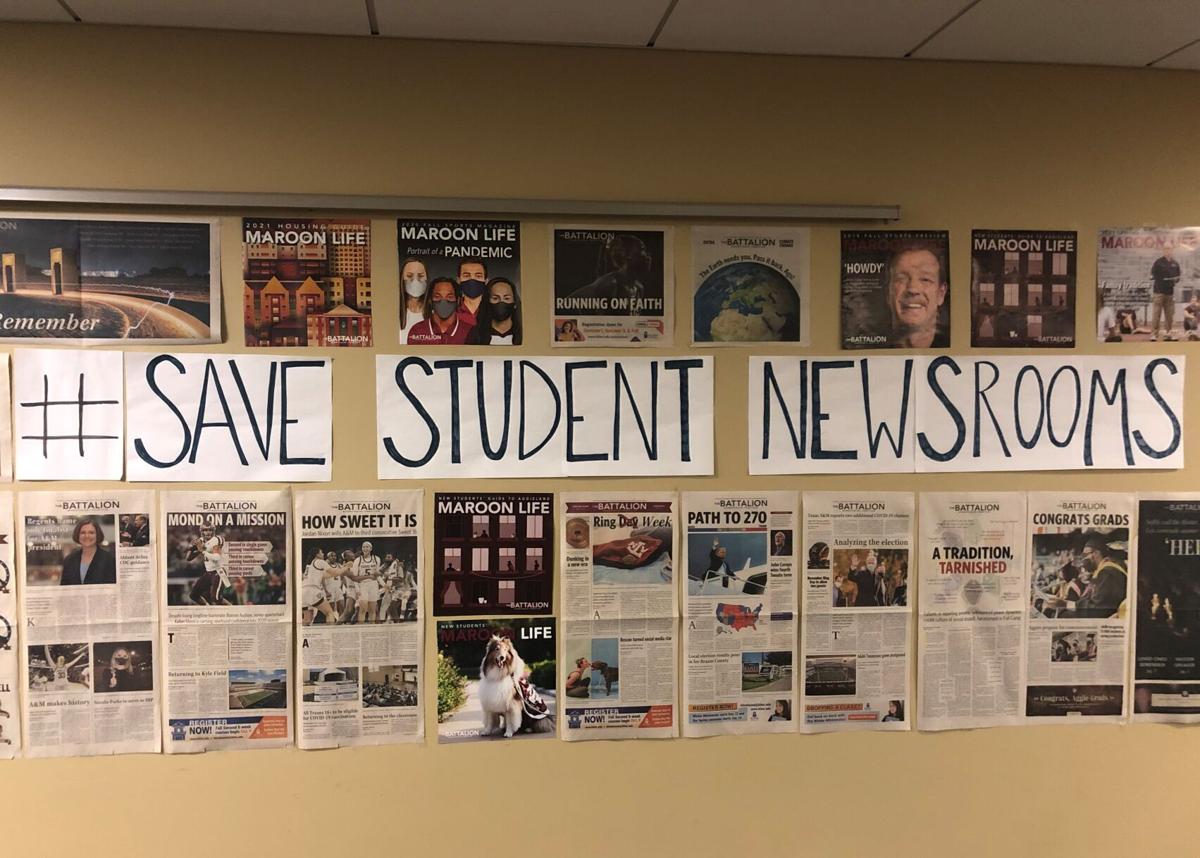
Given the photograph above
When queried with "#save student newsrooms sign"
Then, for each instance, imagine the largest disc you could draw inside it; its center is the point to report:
(543, 416)
(948, 413)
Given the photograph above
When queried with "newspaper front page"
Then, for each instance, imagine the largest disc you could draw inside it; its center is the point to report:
(227, 630)
(1078, 629)
(359, 617)
(739, 626)
(1166, 650)
(89, 620)
(972, 617)
(10, 679)
(620, 616)
(855, 636)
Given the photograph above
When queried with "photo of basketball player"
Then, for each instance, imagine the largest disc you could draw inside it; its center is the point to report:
(59, 668)
(351, 580)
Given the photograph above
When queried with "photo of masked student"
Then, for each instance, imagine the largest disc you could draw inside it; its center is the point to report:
(460, 283)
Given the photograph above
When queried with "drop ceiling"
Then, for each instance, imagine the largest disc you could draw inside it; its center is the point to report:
(1155, 33)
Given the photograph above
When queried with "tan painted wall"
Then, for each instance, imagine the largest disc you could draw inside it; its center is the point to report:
(958, 146)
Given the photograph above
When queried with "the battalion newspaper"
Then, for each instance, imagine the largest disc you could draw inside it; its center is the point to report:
(751, 285)
(620, 615)
(358, 617)
(739, 621)
(89, 619)
(1078, 630)
(10, 678)
(227, 630)
(1166, 651)
(895, 289)
(1148, 284)
(1022, 288)
(855, 636)
(972, 609)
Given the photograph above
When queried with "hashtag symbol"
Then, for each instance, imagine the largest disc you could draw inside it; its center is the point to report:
(79, 403)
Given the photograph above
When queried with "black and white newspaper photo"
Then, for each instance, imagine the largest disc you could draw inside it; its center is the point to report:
(620, 615)
(89, 623)
(227, 627)
(358, 617)
(971, 620)
(1166, 648)
(10, 673)
(612, 286)
(739, 621)
(751, 285)
(1078, 631)
(1148, 285)
(855, 635)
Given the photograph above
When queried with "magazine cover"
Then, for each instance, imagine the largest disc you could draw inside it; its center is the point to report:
(460, 282)
(895, 289)
(493, 554)
(306, 282)
(496, 679)
(1022, 289)
(751, 285)
(110, 279)
(1148, 285)
(612, 286)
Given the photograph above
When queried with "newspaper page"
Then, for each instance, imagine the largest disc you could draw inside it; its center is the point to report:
(358, 653)
(739, 626)
(1166, 650)
(620, 615)
(751, 285)
(972, 609)
(855, 635)
(10, 679)
(1077, 637)
(227, 630)
(1148, 285)
(1022, 289)
(613, 286)
(895, 289)
(90, 620)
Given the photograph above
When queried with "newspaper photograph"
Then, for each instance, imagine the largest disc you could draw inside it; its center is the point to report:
(1148, 285)
(895, 289)
(1077, 637)
(493, 554)
(1166, 648)
(751, 285)
(307, 282)
(971, 624)
(460, 282)
(496, 679)
(10, 672)
(110, 279)
(739, 622)
(89, 623)
(358, 617)
(617, 552)
(855, 635)
(613, 286)
(227, 627)
(1022, 289)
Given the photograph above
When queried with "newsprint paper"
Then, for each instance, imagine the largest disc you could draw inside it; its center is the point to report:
(1166, 652)
(227, 636)
(10, 679)
(89, 623)
(855, 632)
(972, 609)
(359, 618)
(1078, 632)
(739, 627)
(620, 616)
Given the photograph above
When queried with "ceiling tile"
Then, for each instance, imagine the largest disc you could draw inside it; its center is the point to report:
(1091, 32)
(865, 28)
(578, 22)
(329, 17)
(33, 10)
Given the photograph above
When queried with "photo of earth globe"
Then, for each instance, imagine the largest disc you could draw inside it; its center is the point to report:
(746, 302)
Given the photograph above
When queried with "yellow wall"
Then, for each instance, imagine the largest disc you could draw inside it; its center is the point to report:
(958, 146)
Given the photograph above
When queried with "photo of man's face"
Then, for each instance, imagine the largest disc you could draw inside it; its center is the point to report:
(916, 290)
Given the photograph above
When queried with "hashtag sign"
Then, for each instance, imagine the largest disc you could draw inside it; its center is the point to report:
(79, 404)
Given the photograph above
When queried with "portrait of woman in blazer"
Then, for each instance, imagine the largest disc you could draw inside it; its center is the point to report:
(90, 563)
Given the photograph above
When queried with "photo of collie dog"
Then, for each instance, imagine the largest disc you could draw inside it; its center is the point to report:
(507, 699)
